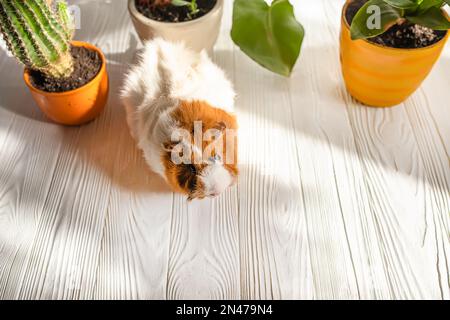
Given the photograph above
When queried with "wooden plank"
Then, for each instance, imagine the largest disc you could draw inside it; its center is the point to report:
(22, 196)
(274, 244)
(72, 244)
(133, 257)
(392, 174)
(204, 248)
(324, 145)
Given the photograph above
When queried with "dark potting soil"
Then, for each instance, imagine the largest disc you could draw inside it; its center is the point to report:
(170, 13)
(87, 64)
(407, 35)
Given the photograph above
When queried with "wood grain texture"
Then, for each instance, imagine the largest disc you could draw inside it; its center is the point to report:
(335, 200)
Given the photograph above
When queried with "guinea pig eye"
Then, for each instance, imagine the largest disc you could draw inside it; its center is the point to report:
(192, 169)
(215, 158)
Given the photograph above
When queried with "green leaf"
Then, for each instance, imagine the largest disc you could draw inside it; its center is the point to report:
(270, 35)
(183, 3)
(403, 4)
(180, 3)
(433, 18)
(374, 18)
(427, 4)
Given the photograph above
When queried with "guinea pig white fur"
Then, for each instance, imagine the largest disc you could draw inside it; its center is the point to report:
(173, 89)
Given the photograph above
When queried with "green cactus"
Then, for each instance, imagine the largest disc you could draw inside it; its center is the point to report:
(38, 35)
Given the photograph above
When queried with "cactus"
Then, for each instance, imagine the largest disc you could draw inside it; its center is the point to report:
(38, 35)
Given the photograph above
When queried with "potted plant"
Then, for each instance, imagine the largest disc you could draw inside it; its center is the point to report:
(195, 22)
(67, 79)
(267, 33)
(388, 47)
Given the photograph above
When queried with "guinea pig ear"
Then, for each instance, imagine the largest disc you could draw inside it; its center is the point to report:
(168, 146)
(221, 126)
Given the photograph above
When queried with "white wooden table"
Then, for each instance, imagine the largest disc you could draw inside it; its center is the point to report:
(335, 200)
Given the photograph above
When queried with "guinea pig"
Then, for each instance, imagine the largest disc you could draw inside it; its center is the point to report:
(180, 111)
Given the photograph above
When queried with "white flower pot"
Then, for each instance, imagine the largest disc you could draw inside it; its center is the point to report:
(197, 34)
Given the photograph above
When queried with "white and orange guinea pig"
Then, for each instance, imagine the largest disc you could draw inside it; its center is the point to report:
(179, 108)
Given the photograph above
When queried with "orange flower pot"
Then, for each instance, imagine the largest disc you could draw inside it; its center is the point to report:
(381, 76)
(77, 106)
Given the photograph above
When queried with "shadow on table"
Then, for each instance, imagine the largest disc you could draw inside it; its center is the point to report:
(107, 144)
(102, 18)
(321, 109)
(329, 114)
(104, 143)
(14, 95)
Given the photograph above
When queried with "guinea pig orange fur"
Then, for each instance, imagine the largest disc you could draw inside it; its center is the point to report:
(189, 178)
(173, 89)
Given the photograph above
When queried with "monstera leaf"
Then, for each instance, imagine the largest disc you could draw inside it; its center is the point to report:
(269, 34)
(361, 28)
(427, 13)
(403, 4)
(433, 18)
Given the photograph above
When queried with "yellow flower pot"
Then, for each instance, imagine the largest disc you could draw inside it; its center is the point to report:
(381, 76)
